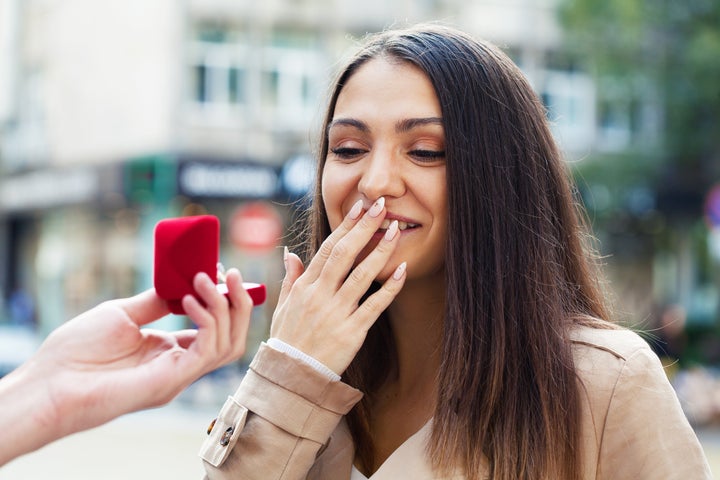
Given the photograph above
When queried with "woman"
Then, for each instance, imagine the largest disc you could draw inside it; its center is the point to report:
(450, 285)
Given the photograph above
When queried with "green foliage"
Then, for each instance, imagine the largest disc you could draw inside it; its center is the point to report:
(672, 49)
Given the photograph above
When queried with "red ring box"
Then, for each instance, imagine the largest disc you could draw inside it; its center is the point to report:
(185, 246)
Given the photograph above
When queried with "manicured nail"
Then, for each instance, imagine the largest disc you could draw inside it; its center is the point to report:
(391, 231)
(285, 257)
(356, 210)
(377, 207)
(400, 271)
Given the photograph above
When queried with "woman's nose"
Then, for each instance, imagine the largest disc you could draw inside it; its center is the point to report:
(381, 177)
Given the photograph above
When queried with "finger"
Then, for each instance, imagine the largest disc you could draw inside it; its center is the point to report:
(203, 345)
(197, 312)
(217, 307)
(200, 314)
(326, 249)
(144, 307)
(293, 269)
(359, 280)
(344, 253)
(238, 296)
(239, 317)
(369, 311)
(185, 338)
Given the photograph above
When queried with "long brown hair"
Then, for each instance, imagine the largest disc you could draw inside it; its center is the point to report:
(519, 273)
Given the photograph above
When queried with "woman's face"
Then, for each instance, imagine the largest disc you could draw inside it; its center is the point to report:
(386, 139)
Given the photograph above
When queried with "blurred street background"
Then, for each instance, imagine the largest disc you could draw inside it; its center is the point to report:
(116, 114)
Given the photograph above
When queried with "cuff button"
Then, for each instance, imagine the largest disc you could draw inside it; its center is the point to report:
(225, 439)
(211, 426)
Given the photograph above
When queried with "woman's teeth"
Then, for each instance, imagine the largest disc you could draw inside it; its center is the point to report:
(401, 225)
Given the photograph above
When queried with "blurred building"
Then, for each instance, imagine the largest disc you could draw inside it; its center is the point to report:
(115, 114)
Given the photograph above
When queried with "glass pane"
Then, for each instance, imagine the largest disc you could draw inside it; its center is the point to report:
(200, 93)
(270, 82)
(236, 85)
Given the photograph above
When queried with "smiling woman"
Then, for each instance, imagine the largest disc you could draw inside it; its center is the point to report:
(449, 322)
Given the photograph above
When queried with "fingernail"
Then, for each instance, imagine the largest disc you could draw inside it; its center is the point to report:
(400, 271)
(285, 257)
(391, 231)
(356, 209)
(377, 207)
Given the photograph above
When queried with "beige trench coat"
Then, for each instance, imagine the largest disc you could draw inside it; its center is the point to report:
(286, 421)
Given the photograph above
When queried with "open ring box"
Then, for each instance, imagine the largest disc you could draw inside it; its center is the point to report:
(185, 246)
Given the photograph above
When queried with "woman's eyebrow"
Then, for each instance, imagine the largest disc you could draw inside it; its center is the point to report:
(409, 123)
(401, 126)
(348, 122)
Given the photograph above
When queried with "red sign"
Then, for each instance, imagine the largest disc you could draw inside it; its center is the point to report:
(256, 226)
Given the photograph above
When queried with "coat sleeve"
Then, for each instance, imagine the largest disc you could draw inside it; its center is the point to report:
(276, 422)
(646, 434)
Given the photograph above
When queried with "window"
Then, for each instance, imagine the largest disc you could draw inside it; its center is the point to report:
(218, 70)
(569, 97)
(627, 114)
(276, 83)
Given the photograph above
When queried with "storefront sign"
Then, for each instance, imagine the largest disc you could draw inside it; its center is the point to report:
(48, 188)
(227, 180)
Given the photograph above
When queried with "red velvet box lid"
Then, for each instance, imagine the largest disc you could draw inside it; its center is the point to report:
(183, 247)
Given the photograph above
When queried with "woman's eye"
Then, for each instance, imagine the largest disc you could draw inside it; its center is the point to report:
(347, 152)
(428, 155)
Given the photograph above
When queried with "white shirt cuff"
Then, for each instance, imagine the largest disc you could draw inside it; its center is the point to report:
(281, 346)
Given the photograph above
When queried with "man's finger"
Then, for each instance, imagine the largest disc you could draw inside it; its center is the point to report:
(145, 307)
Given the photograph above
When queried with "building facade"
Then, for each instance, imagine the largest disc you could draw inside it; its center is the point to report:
(116, 114)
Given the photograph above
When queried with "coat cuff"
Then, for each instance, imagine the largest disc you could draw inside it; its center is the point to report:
(294, 396)
(224, 432)
(287, 393)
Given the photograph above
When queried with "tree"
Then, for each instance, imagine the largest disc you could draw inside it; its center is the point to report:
(668, 52)
(663, 56)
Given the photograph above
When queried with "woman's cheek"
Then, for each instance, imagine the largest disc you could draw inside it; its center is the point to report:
(333, 204)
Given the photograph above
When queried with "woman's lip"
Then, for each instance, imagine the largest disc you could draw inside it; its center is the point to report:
(400, 218)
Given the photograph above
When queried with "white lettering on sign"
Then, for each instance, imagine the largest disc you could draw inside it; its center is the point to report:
(205, 180)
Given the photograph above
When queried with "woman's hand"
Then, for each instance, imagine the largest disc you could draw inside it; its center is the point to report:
(318, 309)
(101, 364)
